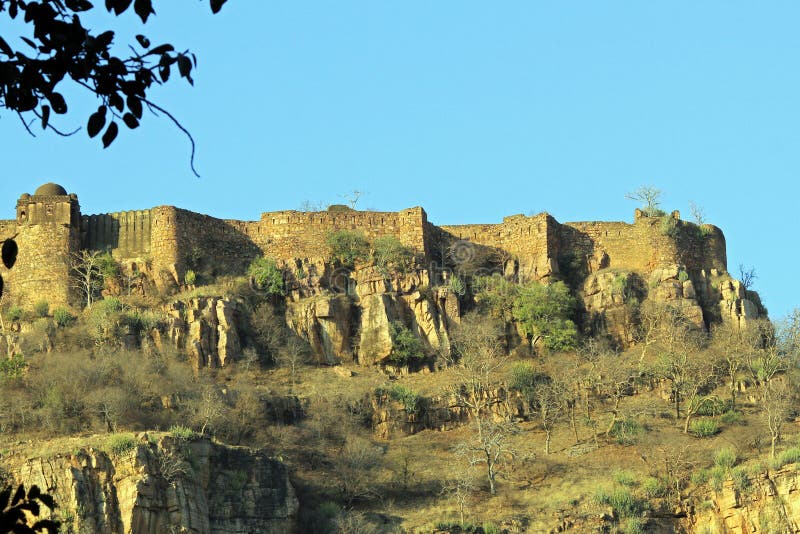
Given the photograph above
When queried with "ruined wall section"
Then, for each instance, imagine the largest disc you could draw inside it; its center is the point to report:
(530, 241)
(643, 246)
(293, 234)
(125, 234)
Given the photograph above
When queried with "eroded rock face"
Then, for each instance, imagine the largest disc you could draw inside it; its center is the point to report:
(770, 503)
(325, 322)
(205, 327)
(607, 297)
(671, 285)
(167, 485)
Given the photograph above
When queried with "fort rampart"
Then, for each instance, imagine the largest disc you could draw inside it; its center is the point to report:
(50, 228)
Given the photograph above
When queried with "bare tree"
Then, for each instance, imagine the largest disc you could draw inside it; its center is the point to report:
(87, 276)
(356, 465)
(460, 488)
(209, 409)
(292, 355)
(649, 197)
(747, 275)
(698, 213)
(776, 402)
(489, 446)
(478, 359)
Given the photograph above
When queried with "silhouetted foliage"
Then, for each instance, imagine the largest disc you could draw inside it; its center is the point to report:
(59, 47)
(14, 510)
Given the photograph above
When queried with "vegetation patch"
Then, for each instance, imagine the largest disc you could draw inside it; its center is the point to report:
(120, 444)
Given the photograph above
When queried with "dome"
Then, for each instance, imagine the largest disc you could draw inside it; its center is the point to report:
(50, 190)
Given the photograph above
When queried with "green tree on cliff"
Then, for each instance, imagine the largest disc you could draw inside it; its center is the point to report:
(57, 48)
(543, 312)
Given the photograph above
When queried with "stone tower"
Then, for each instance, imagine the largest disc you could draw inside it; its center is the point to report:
(48, 233)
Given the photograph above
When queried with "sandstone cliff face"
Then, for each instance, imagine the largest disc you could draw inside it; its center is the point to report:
(325, 322)
(770, 504)
(356, 320)
(206, 328)
(164, 486)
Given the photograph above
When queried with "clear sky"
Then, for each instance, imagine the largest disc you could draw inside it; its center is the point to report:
(473, 110)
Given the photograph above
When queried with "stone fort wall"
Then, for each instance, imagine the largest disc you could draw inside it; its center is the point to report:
(174, 240)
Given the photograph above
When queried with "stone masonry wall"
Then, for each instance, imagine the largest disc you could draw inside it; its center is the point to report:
(293, 234)
(125, 234)
(642, 246)
(44, 254)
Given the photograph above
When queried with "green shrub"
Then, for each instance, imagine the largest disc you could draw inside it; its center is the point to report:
(391, 256)
(716, 476)
(700, 477)
(406, 346)
(267, 276)
(704, 427)
(13, 368)
(740, 479)
(182, 432)
(406, 396)
(627, 431)
(633, 525)
(669, 226)
(524, 377)
(654, 487)
(544, 311)
(683, 276)
(107, 265)
(347, 247)
(732, 417)
(490, 528)
(15, 313)
(712, 406)
(725, 458)
(789, 456)
(190, 278)
(62, 317)
(625, 478)
(457, 286)
(41, 308)
(119, 444)
(624, 503)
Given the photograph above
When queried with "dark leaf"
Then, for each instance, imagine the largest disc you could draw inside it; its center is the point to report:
(31, 506)
(29, 43)
(12, 10)
(4, 48)
(96, 121)
(143, 8)
(58, 103)
(216, 5)
(48, 500)
(18, 495)
(45, 116)
(116, 101)
(48, 524)
(104, 39)
(184, 66)
(9, 254)
(163, 71)
(110, 135)
(160, 49)
(120, 6)
(135, 106)
(4, 495)
(79, 5)
(34, 492)
(144, 42)
(130, 121)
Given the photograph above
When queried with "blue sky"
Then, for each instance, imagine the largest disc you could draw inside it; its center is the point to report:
(473, 110)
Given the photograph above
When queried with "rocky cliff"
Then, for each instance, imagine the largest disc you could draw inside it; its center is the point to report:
(157, 484)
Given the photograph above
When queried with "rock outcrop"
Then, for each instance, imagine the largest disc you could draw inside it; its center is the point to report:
(325, 322)
(767, 502)
(206, 328)
(163, 484)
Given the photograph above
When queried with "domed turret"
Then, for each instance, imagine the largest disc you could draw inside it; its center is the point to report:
(50, 190)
